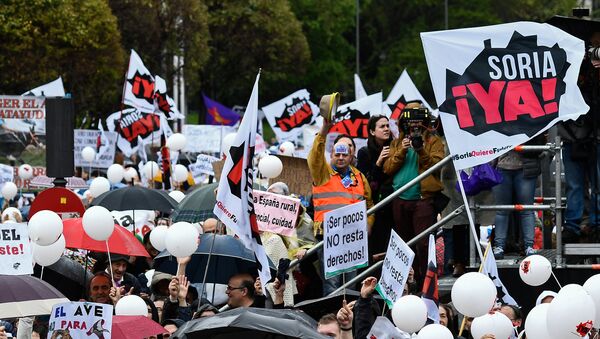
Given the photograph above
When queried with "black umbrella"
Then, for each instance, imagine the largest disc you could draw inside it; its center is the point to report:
(317, 308)
(580, 28)
(135, 198)
(229, 256)
(251, 323)
(25, 296)
(197, 205)
(67, 276)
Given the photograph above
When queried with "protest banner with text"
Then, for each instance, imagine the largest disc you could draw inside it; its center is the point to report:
(276, 213)
(94, 138)
(15, 249)
(396, 266)
(203, 165)
(23, 114)
(80, 320)
(288, 115)
(205, 138)
(345, 237)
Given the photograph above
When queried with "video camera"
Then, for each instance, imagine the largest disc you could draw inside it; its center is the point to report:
(418, 115)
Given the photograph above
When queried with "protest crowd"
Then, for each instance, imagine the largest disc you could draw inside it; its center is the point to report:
(242, 242)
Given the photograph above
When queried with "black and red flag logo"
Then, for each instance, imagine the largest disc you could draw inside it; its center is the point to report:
(142, 86)
(351, 122)
(513, 90)
(397, 108)
(298, 113)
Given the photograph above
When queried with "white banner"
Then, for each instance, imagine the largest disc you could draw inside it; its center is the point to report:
(205, 138)
(345, 237)
(80, 320)
(139, 85)
(131, 124)
(23, 114)
(88, 137)
(395, 269)
(499, 86)
(15, 249)
(6, 174)
(288, 115)
(276, 213)
(142, 221)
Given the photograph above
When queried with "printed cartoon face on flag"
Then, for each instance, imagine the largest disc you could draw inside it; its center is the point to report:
(139, 85)
(498, 86)
(288, 115)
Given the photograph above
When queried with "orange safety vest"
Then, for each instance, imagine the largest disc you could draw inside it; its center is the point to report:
(334, 195)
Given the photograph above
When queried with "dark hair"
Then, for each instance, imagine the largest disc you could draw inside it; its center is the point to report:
(452, 321)
(153, 309)
(516, 310)
(371, 125)
(341, 136)
(328, 319)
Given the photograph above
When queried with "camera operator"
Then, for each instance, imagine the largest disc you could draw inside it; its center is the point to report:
(416, 150)
(581, 151)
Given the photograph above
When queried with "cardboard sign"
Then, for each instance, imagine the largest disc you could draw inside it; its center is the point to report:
(499, 86)
(288, 115)
(15, 249)
(142, 226)
(205, 138)
(106, 156)
(276, 213)
(395, 269)
(80, 320)
(23, 114)
(345, 237)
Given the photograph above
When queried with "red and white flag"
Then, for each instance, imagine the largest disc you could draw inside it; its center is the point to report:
(430, 286)
(139, 85)
(234, 205)
(164, 103)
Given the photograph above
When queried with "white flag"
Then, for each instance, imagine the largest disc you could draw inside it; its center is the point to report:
(359, 90)
(289, 115)
(491, 270)
(234, 205)
(164, 103)
(52, 89)
(139, 85)
(499, 86)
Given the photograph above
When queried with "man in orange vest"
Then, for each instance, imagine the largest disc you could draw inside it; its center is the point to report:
(335, 184)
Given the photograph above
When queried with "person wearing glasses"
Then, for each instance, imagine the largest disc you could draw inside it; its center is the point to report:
(240, 291)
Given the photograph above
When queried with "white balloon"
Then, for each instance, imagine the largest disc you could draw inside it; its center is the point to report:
(409, 313)
(48, 255)
(176, 142)
(9, 190)
(496, 323)
(98, 223)
(181, 239)
(151, 169)
(45, 227)
(180, 173)
(177, 195)
(571, 314)
(592, 286)
(535, 270)
(157, 237)
(435, 331)
(270, 166)
(473, 294)
(131, 305)
(535, 324)
(98, 186)
(25, 172)
(88, 154)
(227, 142)
(115, 173)
(287, 148)
(130, 174)
(570, 288)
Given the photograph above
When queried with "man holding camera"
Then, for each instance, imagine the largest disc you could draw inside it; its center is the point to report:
(415, 150)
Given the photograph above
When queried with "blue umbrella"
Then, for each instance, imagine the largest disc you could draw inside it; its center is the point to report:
(229, 256)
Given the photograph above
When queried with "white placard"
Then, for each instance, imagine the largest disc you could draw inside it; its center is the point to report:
(203, 165)
(205, 138)
(395, 269)
(6, 174)
(80, 320)
(87, 137)
(15, 249)
(345, 237)
(142, 218)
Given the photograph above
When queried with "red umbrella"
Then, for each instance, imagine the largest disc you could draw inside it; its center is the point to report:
(134, 326)
(121, 241)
